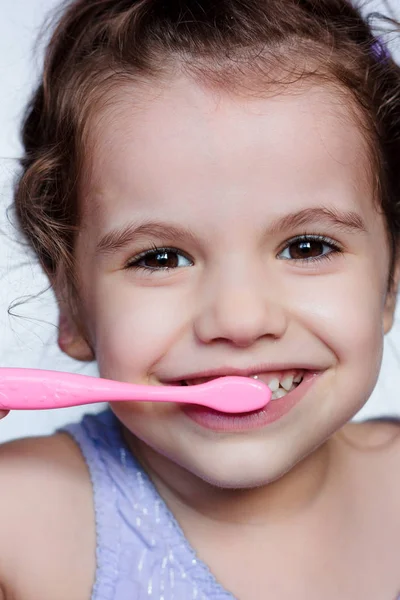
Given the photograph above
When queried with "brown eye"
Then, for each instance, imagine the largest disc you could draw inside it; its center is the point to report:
(308, 249)
(163, 260)
(159, 259)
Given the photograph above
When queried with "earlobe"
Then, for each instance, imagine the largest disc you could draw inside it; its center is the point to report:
(71, 341)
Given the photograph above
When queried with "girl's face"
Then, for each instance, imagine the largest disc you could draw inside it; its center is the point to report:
(265, 254)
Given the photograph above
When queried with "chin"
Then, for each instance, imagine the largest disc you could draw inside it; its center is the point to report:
(239, 481)
(240, 472)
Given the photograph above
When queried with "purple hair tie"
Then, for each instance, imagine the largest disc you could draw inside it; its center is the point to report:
(380, 51)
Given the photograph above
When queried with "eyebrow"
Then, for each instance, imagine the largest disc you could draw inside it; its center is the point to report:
(117, 239)
(346, 221)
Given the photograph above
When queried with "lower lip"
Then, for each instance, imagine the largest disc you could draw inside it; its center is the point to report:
(233, 423)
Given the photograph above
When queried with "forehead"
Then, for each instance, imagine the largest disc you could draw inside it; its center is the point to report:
(180, 141)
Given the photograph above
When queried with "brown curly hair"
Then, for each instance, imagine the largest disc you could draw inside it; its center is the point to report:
(98, 44)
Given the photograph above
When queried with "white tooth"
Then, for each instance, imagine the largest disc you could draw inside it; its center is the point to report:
(274, 384)
(286, 382)
(297, 379)
(278, 394)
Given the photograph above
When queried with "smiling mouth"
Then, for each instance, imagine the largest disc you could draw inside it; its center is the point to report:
(280, 383)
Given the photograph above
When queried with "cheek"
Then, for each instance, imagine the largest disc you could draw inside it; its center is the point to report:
(349, 315)
(135, 327)
(346, 314)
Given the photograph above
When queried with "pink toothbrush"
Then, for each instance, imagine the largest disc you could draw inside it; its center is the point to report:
(26, 389)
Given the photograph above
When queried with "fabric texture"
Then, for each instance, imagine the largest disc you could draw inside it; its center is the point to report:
(141, 550)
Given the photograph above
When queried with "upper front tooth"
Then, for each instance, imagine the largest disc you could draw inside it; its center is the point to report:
(273, 384)
(287, 382)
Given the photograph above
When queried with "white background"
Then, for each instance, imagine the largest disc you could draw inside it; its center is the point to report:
(29, 339)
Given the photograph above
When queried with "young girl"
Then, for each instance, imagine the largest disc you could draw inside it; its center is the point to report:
(213, 188)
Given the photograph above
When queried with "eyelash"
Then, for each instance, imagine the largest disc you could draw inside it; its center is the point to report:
(133, 263)
(335, 249)
(306, 237)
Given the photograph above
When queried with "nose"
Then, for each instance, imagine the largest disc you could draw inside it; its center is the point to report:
(240, 308)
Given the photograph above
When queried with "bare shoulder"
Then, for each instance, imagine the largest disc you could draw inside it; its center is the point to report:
(47, 527)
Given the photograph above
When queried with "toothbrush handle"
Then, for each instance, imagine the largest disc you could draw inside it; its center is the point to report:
(26, 389)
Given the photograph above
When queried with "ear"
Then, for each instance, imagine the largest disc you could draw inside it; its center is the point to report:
(391, 300)
(71, 340)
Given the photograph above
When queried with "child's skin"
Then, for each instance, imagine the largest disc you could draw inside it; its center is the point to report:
(316, 515)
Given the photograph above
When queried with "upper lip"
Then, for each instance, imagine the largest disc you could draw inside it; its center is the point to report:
(246, 372)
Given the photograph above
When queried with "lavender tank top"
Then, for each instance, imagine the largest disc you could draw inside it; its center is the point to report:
(141, 550)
